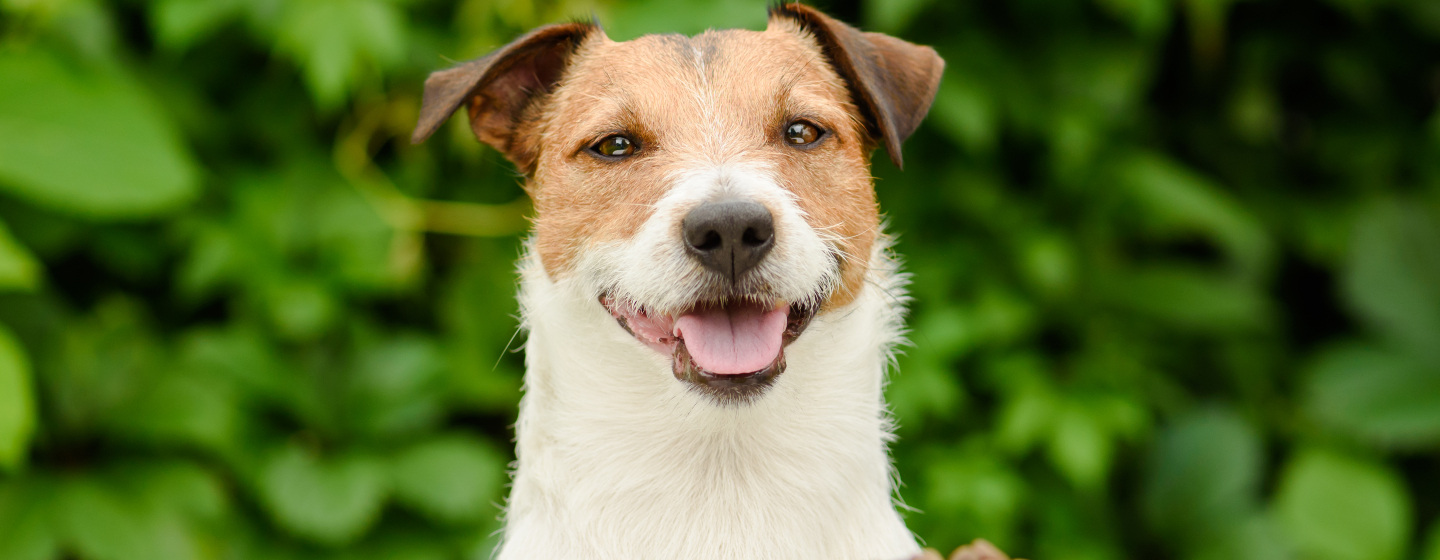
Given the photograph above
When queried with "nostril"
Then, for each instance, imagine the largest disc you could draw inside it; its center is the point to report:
(754, 237)
(710, 242)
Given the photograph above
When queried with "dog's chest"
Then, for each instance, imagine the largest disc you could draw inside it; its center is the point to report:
(619, 462)
(726, 496)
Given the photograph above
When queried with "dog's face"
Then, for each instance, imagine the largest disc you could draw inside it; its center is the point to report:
(713, 192)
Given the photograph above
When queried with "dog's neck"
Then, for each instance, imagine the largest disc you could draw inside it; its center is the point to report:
(618, 459)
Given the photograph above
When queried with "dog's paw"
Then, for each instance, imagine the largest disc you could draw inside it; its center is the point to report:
(978, 550)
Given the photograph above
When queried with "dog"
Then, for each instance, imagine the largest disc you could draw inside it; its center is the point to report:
(710, 301)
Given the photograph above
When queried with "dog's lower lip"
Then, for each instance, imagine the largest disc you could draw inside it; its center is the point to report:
(654, 330)
(725, 387)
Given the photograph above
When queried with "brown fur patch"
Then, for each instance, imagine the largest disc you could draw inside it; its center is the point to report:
(722, 96)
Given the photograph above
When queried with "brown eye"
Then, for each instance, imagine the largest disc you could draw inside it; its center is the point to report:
(614, 146)
(801, 133)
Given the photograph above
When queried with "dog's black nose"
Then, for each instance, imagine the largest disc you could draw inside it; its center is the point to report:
(730, 236)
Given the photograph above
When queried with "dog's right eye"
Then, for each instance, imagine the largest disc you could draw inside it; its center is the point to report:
(802, 134)
(614, 146)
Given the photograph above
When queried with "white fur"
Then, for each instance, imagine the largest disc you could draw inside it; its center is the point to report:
(653, 269)
(619, 459)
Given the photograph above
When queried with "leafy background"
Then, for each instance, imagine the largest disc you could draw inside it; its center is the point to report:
(1177, 277)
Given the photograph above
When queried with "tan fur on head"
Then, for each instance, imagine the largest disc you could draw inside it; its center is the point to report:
(720, 97)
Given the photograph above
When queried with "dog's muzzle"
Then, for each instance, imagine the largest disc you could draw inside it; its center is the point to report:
(730, 350)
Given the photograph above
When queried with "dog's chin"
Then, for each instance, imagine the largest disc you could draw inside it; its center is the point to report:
(731, 350)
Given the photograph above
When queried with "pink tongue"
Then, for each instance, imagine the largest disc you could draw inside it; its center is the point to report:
(739, 338)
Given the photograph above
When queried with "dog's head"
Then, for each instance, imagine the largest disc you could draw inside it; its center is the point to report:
(714, 192)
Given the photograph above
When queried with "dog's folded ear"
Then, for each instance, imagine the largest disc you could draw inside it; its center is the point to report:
(893, 81)
(499, 86)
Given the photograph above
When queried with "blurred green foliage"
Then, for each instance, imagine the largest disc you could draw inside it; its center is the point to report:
(1177, 277)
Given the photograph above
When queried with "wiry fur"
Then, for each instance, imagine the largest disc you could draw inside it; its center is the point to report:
(619, 460)
(621, 453)
(652, 266)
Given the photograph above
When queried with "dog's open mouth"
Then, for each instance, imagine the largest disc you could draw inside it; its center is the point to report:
(730, 349)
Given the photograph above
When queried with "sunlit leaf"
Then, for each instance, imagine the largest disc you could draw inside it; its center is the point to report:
(1081, 447)
(1381, 395)
(26, 529)
(335, 41)
(1335, 507)
(1026, 417)
(18, 268)
(451, 478)
(965, 111)
(328, 500)
(301, 308)
(1049, 264)
(17, 402)
(181, 23)
(103, 524)
(87, 141)
(182, 488)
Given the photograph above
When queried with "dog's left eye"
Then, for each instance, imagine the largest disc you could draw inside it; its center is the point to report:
(801, 133)
(614, 146)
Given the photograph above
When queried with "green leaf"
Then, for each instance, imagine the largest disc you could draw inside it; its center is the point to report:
(183, 407)
(1190, 298)
(1081, 447)
(301, 308)
(182, 487)
(1252, 536)
(1026, 417)
(102, 361)
(965, 112)
(1146, 17)
(1048, 262)
(26, 531)
(631, 19)
(17, 402)
(1381, 395)
(397, 387)
(1392, 275)
(18, 268)
(181, 23)
(1336, 507)
(891, 15)
(87, 141)
(101, 524)
(1176, 200)
(335, 40)
(1432, 546)
(332, 501)
(452, 478)
(1204, 476)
